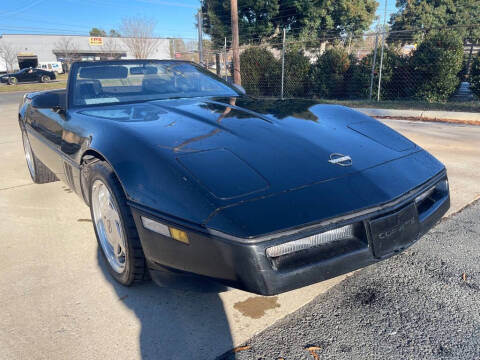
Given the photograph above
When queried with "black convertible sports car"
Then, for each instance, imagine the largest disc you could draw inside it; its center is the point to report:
(28, 74)
(185, 175)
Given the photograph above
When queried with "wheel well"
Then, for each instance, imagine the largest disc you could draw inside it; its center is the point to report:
(88, 157)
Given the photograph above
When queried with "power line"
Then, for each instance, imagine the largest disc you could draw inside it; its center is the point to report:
(32, 4)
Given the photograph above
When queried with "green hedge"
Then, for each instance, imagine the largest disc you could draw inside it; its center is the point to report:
(327, 75)
(430, 74)
(437, 63)
(297, 69)
(475, 76)
(260, 72)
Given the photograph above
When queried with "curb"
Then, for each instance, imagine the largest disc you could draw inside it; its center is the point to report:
(469, 118)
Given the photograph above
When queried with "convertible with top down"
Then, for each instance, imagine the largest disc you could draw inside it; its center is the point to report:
(187, 177)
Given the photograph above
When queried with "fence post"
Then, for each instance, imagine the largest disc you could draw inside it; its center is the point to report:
(383, 48)
(200, 37)
(218, 65)
(381, 67)
(283, 63)
(374, 62)
(225, 59)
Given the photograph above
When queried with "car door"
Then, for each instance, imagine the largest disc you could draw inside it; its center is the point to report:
(21, 75)
(47, 124)
(34, 74)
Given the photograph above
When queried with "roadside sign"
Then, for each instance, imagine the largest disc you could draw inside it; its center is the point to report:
(95, 41)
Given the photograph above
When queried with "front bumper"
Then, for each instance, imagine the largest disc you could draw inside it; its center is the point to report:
(245, 265)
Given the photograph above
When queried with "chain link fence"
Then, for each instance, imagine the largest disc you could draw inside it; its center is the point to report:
(371, 66)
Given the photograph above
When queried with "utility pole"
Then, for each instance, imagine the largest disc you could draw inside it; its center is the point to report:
(235, 43)
(200, 36)
(225, 59)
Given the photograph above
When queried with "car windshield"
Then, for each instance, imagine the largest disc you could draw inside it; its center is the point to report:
(132, 81)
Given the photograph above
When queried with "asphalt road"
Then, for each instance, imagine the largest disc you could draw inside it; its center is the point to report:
(418, 305)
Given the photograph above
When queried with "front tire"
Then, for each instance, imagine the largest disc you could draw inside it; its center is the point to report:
(44, 79)
(39, 173)
(12, 80)
(114, 227)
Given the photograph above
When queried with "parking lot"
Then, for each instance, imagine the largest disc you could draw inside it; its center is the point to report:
(58, 301)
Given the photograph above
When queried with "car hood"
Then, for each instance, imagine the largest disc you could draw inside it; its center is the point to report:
(238, 147)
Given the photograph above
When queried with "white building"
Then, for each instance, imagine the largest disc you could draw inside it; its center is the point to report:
(32, 50)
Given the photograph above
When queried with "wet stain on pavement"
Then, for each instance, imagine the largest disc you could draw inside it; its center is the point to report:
(256, 306)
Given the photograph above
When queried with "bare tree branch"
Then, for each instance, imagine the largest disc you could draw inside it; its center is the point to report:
(8, 53)
(68, 48)
(138, 36)
(111, 48)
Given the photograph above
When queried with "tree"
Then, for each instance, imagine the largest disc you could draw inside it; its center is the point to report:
(67, 48)
(114, 33)
(321, 19)
(111, 48)
(138, 36)
(422, 16)
(255, 19)
(97, 32)
(8, 53)
(303, 19)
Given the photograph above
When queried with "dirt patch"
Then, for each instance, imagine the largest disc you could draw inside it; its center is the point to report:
(255, 307)
(425, 119)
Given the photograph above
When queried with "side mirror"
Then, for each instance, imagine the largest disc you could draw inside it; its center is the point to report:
(58, 109)
(239, 88)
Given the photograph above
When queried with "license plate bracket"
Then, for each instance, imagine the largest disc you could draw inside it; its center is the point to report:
(394, 232)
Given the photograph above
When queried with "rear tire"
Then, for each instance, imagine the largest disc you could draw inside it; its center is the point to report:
(39, 173)
(114, 226)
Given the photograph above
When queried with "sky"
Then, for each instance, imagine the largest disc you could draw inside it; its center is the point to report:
(77, 17)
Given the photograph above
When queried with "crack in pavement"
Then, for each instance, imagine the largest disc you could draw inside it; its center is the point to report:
(16, 186)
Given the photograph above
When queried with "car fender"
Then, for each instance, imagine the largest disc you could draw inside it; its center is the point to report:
(150, 177)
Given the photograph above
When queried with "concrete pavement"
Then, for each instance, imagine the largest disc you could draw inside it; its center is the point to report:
(59, 302)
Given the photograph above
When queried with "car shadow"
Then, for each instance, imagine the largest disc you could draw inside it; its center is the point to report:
(175, 324)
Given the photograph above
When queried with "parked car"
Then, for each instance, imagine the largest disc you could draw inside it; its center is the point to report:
(27, 75)
(187, 177)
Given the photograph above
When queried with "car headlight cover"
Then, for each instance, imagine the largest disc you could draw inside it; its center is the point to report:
(441, 186)
(342, 233)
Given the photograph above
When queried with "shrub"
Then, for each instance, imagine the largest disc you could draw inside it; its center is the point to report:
(327, 74)
(297, 69)
(260, 72)
(396, 76)
(475, 76)
(437, 62)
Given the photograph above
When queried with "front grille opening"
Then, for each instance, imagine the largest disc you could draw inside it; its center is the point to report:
(430, 197)
(335, 248)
